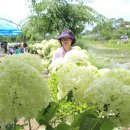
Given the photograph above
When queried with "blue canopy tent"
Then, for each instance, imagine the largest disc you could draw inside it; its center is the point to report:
(8, 28)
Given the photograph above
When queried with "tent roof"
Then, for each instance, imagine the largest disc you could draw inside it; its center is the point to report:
(7, 28)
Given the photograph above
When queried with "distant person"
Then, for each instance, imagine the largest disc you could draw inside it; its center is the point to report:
(4, 46)
(122, 39)
(126, 39)
(11, 50)
(21, 48)
(25, 47)
(17, 50)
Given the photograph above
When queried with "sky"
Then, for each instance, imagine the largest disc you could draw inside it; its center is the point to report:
(17, 10)
(14, 10)
(112, 8)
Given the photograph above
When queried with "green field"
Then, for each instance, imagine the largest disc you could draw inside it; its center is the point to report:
(106, 54)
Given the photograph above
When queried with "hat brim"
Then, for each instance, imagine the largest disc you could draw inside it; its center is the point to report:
(65, 35)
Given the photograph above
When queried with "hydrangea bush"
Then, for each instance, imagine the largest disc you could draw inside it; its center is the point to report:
(106, 90)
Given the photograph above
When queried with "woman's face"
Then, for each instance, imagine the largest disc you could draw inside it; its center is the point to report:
(66, 41)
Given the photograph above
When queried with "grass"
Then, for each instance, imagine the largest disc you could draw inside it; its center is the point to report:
(106, 54)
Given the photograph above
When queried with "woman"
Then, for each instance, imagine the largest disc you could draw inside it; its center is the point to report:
(66, 39)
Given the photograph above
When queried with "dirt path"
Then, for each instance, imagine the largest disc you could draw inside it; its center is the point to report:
(33, 122)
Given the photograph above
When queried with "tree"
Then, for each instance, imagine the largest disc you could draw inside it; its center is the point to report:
(121, 28)
(50, 16)
(105, 29)
(113, 28)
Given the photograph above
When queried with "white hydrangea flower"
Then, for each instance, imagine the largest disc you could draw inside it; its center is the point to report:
(111, 96)
(56, 64)
(78, 57)
(23, 92)
(74, 78)
(32, 59)
(120, 74)
(77, 47)
(103, 71)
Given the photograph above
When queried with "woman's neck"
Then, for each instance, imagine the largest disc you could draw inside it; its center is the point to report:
(66, 49)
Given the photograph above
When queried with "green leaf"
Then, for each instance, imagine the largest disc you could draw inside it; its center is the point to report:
(49, 127)
(107, 124)
(9, 127)
(88, 120)
(90, 123)
(79, 119)
(17, 127)
(70, 96)
(63, 126)
(45, 115)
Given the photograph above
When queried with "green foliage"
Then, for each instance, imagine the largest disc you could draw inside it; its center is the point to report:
(106, 54)
(113, 28)
(104, 29)
(53, 84)
(63, 126)
(44, 116)
(90, 120)
(107, 124)
(80, 118)
(11, 38)
(13, 127)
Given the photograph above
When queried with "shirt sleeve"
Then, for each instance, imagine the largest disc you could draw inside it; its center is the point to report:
(57, 54)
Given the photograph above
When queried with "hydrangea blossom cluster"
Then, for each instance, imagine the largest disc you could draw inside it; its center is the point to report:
(120, 74)
(76, 56)
(111, 94)
(31, 59)
(45, 49)
(74, 78)
(23, 92)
